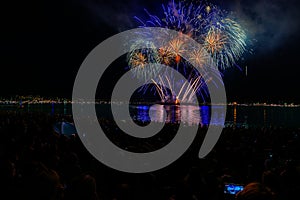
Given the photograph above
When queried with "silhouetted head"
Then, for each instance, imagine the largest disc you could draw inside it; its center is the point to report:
(254, 191)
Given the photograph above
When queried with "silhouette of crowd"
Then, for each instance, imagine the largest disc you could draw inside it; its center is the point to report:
(37, 163)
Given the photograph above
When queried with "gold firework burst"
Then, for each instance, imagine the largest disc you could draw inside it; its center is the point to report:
(214, 41)
(138, 60)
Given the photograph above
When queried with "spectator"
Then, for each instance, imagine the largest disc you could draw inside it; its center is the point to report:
(254, 191)
(83, 188)
(40, 182)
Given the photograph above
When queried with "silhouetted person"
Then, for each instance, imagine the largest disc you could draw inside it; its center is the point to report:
(83, 188)
(41, 183)
(271, 181)
(254, 191)
(7, 179)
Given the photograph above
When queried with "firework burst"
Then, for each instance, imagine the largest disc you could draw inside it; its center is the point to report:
(166, 55)
(225, 41)
(142, 61)
(199, 57)
(222, 37)
(222, 40)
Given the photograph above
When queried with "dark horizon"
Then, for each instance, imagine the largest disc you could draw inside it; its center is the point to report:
(43, 44)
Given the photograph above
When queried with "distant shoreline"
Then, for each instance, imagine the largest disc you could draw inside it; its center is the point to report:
(19, 103)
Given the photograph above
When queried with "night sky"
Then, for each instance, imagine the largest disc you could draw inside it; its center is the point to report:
(43, 44)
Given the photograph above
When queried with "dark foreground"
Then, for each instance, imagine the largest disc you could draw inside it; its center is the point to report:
(38, 164)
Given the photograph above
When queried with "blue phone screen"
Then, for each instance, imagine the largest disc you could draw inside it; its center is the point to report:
(232, 188)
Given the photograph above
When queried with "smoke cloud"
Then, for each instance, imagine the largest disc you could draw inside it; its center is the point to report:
(269, 23)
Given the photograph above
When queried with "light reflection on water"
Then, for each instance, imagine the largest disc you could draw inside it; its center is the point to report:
(186, 114)
(257, 116)
(174, 114)
(237, 116)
